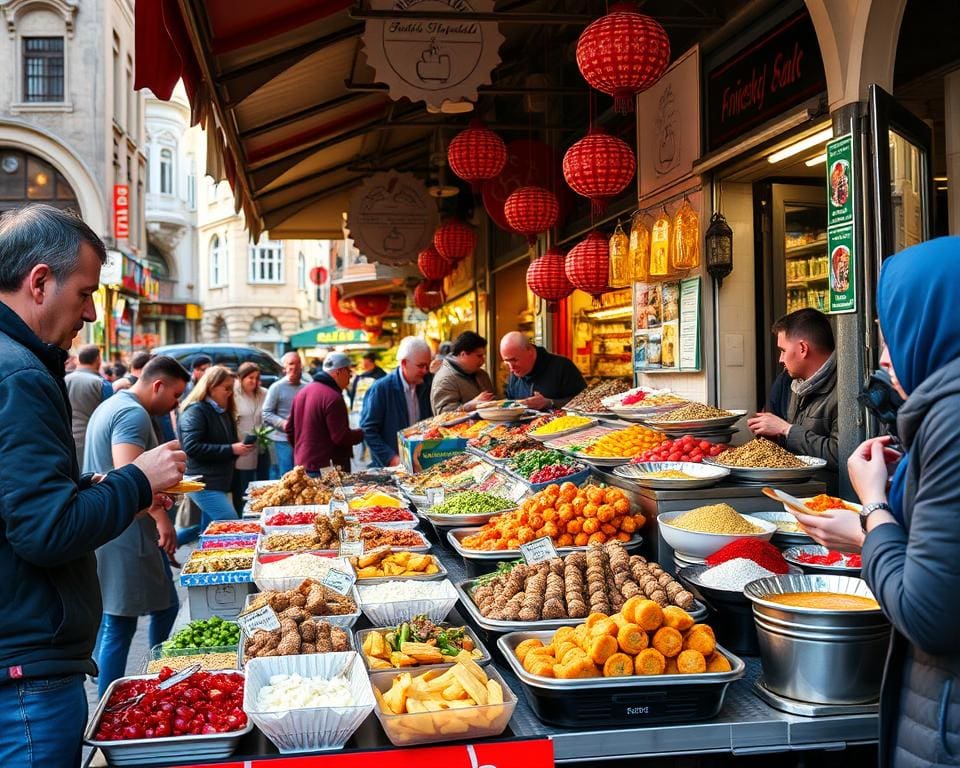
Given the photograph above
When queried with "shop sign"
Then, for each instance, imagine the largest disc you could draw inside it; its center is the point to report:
(841, 246)
(121, 211)
(432, 61)
(778, 71)
(392, 218)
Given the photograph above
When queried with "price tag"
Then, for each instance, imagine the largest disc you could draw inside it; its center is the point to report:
(539, 550)
(339, 505)
(263, 617)
(351, 548)
(435, 496)
(517, 492)
(339, 581)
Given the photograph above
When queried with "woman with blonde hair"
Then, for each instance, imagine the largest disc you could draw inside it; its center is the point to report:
(249, 397)
(208, 435)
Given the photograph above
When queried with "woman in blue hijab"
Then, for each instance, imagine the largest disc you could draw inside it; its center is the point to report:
(911, 552)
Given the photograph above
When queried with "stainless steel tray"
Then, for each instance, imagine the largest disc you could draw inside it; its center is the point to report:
(597, 461)
(770, 474)
(455, 535)
(482, 661)
(441, 574)
(493, 625)
(168, 749)
(553, 435)
(790, 555)
(693, 425)
(507, 643)
(458, 521)
(704, 476)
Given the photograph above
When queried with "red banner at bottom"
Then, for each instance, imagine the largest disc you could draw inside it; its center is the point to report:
(524, 753)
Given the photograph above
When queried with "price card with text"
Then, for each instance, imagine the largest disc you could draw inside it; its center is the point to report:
(517, 491)
(539, 550)
(339, 581)
(435, 496)
(339, 505)
(351, 548)
(263, 617)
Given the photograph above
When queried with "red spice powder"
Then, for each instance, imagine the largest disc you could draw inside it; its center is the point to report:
(763, 553)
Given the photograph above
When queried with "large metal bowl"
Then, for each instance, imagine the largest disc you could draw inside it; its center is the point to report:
(819, 656)
(701, 544)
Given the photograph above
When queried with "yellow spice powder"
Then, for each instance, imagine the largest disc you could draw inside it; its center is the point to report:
(715, 518)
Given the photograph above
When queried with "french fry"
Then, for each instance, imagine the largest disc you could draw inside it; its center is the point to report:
(399, 659)
(494, 692)
(451, 725)
(466, 659)
(475, 690)
(441, 681)
(376, 663)
(424, 653)
(454, 691)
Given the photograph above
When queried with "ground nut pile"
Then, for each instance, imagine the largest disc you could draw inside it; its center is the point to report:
(589, 399)
(692, 412)
(759, 454)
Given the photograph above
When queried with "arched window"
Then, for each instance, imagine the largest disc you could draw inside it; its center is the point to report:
(166, 171)
(266, 262)
(301, 271)
(218, 262)
(26, 178)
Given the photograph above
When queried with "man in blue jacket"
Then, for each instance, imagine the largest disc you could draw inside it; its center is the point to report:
(396, 401)
(51, 518)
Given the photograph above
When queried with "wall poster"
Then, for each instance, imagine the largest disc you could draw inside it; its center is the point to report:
(841, 246)
(667, 334)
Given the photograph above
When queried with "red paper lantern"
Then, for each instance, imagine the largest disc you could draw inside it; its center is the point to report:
(547, 278)
(318, 275)
(598, 167)
(477, 154)
(371, 304)
(531, 210)
(454, 240)
(432, 265)
(588, 265)
(622, 54)
(428, 295)
(343, 315)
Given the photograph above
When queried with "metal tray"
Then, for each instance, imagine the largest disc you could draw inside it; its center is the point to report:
(704, 476)
(627, 701)
(244, 640)
(598, 461)
(343, 620)
(770, 474)
(168, 749)
(455, 535)
(692, 425)
(790, 555)
(562, 432)
(494, 625)
(441, 574)
(482, 661)
(458, 521)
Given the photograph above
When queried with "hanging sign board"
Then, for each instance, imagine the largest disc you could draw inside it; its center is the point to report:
(841, 245)
(667, 335)
(392, 218)
(432, 61)
(121, 211)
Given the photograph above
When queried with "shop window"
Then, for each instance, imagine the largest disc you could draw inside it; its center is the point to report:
(24, 177)
(266, 262)
(218, 262)
(301, 271)
(166, 171)
(42, 69)
(191, 183)
(117, 81)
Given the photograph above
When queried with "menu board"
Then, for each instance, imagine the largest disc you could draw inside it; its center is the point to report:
(841, 204)
(667, 333)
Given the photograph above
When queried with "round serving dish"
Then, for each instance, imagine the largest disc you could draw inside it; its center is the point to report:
(703, 476)
(790, 555)
(502, 414)
(773, 474)
(705, 544)
(693, 425)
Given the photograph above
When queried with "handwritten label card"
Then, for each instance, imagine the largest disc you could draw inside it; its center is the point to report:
(339, 581)
(539, 550)
(263, 617)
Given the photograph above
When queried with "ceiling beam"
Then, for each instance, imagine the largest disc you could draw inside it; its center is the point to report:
(303, 114)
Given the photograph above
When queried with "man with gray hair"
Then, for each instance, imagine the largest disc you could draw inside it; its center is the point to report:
(538, 379)
(52, 518)
(396, 401)
(277, 407)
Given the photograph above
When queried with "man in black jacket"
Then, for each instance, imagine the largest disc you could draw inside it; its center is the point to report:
(51, 518)
(538, 379)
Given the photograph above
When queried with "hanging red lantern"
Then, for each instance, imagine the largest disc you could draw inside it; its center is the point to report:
(428, 295)
(454, 240)
(432, 265)
(371, 304)
(588, 265)
(342, 314)
(531, 210)
(547, 278)
(477, 154)
(318, 275)
(622, 54)
(598, 167)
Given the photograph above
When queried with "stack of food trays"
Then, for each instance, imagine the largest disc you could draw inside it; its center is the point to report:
(763, 461)
(640, 402)
(230, 534)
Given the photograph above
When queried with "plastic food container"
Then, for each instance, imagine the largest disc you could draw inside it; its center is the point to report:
(283, 583)
(158, 653)
(268, 512)
(167, 749)
(344, 620)
(244, 640)
(705, 544)
(447, 725)
(440, 574)
(385, 614)
(482, 661)
(316, 728)
(638, 700)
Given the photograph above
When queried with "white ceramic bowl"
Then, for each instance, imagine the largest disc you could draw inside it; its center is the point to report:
(705, 544)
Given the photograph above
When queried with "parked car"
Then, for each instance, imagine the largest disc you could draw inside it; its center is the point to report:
(230, 355)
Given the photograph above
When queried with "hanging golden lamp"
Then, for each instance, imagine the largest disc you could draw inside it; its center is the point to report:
(685, 255)
(660, 247)
(639, 248)
(620, 267)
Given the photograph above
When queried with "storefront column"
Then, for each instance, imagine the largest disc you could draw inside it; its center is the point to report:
(951, 93)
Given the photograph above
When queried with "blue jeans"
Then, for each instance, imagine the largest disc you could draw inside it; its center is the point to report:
(116, 634)
(284, 453)
(214, 505)
(42, 722)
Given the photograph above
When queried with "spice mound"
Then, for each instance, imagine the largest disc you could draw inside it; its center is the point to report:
(667, 474)
(733, 575)
(760, 454)
(589, 399)
(715, 518)
(692, 412)
(561, 424)
(763, 553)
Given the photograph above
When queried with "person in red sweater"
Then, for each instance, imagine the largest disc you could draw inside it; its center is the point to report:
(319, 425)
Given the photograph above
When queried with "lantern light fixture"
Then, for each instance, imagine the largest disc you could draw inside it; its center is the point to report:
(719, 248)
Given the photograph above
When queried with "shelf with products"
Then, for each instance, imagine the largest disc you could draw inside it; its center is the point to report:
(800, 251)
(807, 281)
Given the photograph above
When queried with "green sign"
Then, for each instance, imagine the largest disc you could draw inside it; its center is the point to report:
(327, 335)
(841, 246)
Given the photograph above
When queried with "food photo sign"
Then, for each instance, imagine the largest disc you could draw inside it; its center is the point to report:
(841, 246)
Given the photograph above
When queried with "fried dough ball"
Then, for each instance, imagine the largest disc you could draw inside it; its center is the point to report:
(668, 641)
(629, 608)
(691, 663)
(717, 662)
(677, 618)
(564, 634)
(602, 647)
(577, 667)
(618, 665)
(700, 638)
(648, 615)
(525, 647)
(649, 662)
(604, 627)
(544, 668)
(632, 639)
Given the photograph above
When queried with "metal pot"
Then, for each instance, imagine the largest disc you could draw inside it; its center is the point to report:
(820, 656)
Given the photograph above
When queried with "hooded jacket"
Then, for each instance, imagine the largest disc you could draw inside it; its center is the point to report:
(452, 386)
(51, 520)
(319, 426)
(914, 569)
